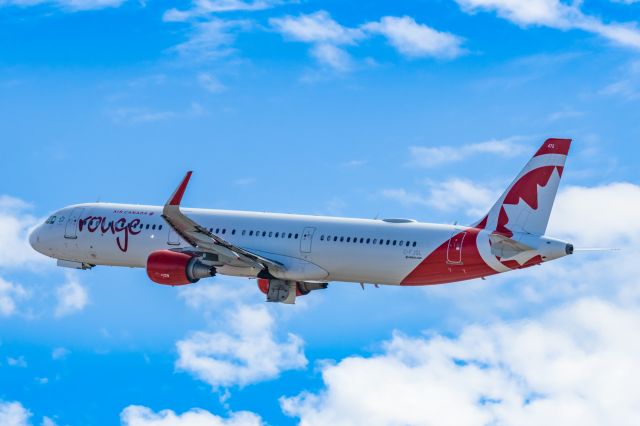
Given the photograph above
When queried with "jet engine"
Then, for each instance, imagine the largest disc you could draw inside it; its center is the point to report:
(174, 268)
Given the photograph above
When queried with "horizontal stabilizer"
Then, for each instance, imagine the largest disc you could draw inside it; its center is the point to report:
(506, 248)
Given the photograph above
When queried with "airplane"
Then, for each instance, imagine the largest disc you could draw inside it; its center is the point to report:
(291, 255)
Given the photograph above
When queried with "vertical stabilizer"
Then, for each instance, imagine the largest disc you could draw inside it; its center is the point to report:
(526, 205)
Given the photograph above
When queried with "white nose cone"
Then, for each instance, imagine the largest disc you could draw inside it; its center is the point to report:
(34, 239)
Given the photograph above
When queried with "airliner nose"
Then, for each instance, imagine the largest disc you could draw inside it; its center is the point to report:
(34, 238)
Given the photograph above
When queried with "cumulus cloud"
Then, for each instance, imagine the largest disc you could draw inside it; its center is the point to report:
(433, 156)
(136, 415)
(598, 216)
(69, 5)
(556, 14)
(329, 37)
(249, 352)
(72, 297)
(13, 414)
(574, 365)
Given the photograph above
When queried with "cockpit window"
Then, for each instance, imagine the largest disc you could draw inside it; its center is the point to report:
(51, 220)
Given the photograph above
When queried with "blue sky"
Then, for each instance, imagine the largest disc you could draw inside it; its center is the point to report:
(422, 109)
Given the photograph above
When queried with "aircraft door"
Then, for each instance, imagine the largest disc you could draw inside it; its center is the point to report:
(174, 238)
(71, 229)
(454, 249)
(307, 237)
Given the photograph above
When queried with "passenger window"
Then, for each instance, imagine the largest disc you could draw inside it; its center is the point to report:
(217, 230)
(251, 233)
(159, 227)
(388, 241)
(153, 227)
(233, 232)
(335, 238)
(400, 243)
(408, 243)
(368, 240)
(322, 238)
(348, 239)
(277, 234)
(355, 239)
(361, 240)
(224, 231)
(289, 234)
(244, 231)
(264, 233)
(341, 239)
(270, 234)
(147, 226)
(394, 242)
(296, 236)
(375, 241)
(414, 243)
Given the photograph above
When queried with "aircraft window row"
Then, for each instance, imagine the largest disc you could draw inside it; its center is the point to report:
(251, 233)
(142, 226)
(363, 240)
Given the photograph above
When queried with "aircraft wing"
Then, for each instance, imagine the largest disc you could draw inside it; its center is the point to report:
(200, 237)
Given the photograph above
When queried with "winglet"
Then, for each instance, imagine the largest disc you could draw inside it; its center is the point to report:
(176, 198)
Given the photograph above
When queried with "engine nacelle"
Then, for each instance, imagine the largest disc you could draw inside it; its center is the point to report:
(174, 268)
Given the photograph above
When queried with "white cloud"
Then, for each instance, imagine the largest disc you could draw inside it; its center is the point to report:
(207, 7)
(69, 5)
(627, 86)
(435, 156)
(136, 415)
(332, 56)
(13, 414)
(212, 296)
(416, 40)
(449, 195)
(60, 353)
(328, 37)
(15, 224)
(316, 27)
(211, 39)
(72, 297)
(47, 421)
(602, 216)
(19, 362)
(574, 365)
(247, 354)
(10, 294)
(556, 14)
(210, 82)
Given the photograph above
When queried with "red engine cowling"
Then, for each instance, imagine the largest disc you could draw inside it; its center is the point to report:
(173, 268)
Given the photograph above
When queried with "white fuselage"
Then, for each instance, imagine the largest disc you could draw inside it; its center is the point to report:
(312, 248)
